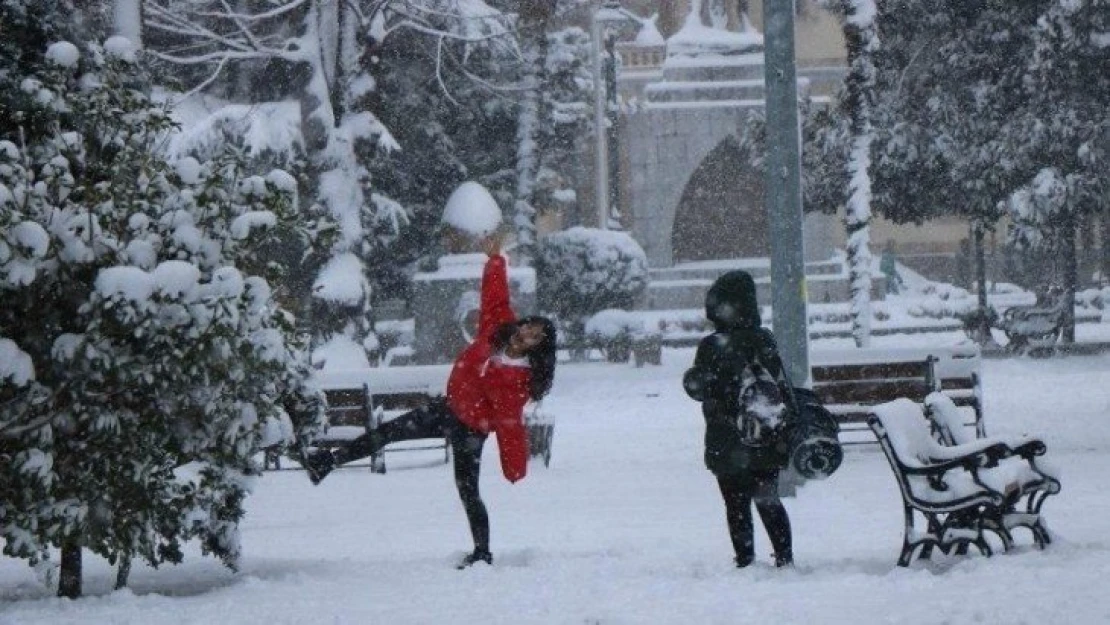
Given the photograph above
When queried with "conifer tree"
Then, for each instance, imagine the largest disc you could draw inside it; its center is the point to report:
(156, 363)
(1062, 131)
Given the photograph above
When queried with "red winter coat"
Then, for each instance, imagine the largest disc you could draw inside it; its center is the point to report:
(487, 395)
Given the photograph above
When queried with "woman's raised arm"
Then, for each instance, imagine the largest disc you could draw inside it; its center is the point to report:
(495, 308)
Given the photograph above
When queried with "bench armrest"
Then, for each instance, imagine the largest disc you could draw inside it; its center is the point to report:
(942, 463)
(981, 451)
(1024, 446)
(1030, 448)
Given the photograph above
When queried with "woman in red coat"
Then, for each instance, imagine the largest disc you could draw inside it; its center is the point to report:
(509, 362)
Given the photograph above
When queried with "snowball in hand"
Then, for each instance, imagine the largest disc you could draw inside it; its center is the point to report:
(473, 210)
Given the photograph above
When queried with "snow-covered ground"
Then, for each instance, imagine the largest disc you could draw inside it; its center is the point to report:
(626, 526)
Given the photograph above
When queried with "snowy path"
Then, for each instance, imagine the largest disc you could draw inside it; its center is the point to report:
(626, 527)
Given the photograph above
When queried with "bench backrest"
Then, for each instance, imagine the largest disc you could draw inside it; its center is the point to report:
(349, 406)
(389, 388)
(847, 390)
(948, 424)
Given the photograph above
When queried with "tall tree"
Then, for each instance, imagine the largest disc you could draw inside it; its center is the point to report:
(1061, 129)
(326, 47)
(862, 41)
(454, 115)
(945, 94)
(532, 22)
(568, 123)
(133, 295)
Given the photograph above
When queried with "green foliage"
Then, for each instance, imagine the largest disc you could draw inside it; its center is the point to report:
(451, 127)
(28, 26)
(136, 286)
(582, 271)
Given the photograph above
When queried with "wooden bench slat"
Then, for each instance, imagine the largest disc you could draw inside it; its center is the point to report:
(345, 397)
(347, 407)
(849, 414)
(871, 391)
(401, 401)
(871, 371)
(957, 384)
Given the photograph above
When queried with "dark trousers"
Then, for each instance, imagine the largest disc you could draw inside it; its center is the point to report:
(738, 495)
(432, 421)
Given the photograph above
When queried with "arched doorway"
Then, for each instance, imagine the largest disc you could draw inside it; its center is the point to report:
(721, 213)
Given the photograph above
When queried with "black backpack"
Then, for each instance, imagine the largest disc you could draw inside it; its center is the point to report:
(763, 409)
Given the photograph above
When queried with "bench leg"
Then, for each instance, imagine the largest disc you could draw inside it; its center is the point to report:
(907, 553)
(908, 546)
(1041, 535)
(377, 463)
(271, 459)
(984, 548)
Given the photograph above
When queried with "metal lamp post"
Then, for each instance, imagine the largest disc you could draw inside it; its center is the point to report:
(612, 132)
(784, 196)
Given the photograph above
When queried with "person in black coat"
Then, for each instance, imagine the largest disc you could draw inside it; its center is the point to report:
(747, 473)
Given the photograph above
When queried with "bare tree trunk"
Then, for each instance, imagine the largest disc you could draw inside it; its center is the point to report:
(983, 333)
(862, 43)
(534, 18)
(123, 571)
(1071, 274)
(69, 578)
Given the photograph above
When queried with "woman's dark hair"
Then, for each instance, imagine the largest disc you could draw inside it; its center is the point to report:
(542, 356)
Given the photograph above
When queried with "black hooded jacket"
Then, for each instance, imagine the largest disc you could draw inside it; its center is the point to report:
(714, 380)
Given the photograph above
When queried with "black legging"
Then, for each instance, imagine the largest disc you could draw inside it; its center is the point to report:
(738, 495)
(431, 421)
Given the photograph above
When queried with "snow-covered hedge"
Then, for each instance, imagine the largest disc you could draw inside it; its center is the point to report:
(582, 271)
(614, 324)
(943, 301)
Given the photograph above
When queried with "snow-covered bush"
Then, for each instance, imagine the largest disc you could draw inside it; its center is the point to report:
(582, 271)
(1093, 298)
(615, 324)
(943, 301)
(618, 333)
(134, 292)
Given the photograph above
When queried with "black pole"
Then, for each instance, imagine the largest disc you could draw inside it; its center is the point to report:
(613, 116)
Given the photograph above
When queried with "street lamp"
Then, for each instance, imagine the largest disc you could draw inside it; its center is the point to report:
(607, 186)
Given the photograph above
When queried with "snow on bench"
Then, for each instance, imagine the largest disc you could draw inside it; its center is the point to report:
(1015, 465)
(958, 491)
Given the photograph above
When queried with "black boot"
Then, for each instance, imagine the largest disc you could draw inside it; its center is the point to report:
(744, 561)
(318, 464)
(479, 555)
(784, 559)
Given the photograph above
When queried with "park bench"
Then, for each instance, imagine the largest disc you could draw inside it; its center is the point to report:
(1033, 330)
(361, 399)
(1020, 459)
(959, 492)
(849, 382)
